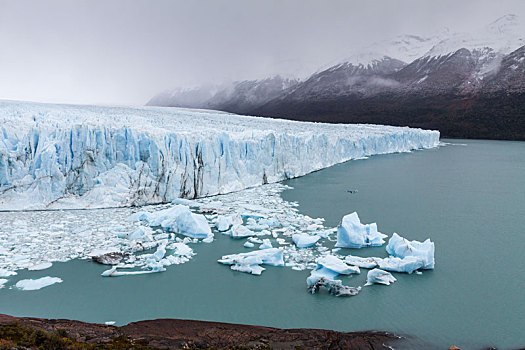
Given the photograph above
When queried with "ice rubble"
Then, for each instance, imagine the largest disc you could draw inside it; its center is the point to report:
(400, 247)
(407, 264)
(379, 276)
(65, 156)
(353, 234)
(36, 284)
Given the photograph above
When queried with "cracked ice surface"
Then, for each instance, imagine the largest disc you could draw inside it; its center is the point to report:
(65, 156)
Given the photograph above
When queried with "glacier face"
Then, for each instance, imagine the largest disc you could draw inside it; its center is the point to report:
(65, 156)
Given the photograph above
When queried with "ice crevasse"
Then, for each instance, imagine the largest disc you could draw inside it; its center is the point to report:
(66, 156)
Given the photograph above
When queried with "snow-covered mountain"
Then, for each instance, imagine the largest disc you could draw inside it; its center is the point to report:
(442, 81)
(239, 96)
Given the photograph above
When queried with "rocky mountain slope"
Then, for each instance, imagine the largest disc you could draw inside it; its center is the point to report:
(468, 85)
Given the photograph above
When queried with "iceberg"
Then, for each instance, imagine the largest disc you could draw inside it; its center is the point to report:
(224, 222)
(36, 284)
(366, 263)
(353, 234)
(328, 268)
(3, 281)
(250, 262)
(304, 240)
(240, 231)
(66, 156)
(407, 264)
(266, 244)
(177, 219)
(400, 247)
(379, 276)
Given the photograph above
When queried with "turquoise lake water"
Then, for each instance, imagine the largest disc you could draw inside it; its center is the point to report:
(469, 198)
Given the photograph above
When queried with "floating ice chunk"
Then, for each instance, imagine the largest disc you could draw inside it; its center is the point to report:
(183, 201)
(253, 269)
(408, 264)
(224, 222)
(379, 276)
(367, 263)
(140, 234)
(109, 323)
(3, 281)
(240, 231)
(208, 239)
(247, 262)
(353, 234)
(6, 273)
(337, 265)
(166, 218)
(266, 244)
(319, 273)
(193, 225)
(335, 287)
(303, 240)
(182, 249)
(37, 283)
(159, 254)
(401, 248)
(114, 273)
(248, 244)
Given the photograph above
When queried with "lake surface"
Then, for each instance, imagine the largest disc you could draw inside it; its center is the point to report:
(468, 198)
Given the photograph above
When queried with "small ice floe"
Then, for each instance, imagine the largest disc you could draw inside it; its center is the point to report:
(400, 247)
(6, 273)
(40, 266)
(304, 240)
(266, 244)
(408, 264)
(240, 231)
(248, 244)
(109, 323)
(353, 234)
(366, 263)
(113, 272)
(379, 276)
(328, 268)
(225, 222)
(250, 262)
(37, 283)
(3, 281)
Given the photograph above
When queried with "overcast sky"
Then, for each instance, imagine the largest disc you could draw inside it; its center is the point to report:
(125, 51)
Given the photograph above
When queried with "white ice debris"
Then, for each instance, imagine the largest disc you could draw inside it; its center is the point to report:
(379, 276)
(266, 244)
(400, 247)
(224, 222)
(335, 264)
(65, 156)
(36, 284)
(407, 264)
(240, 231)
(304, 240)
(353, 234)
(6, 273)
(328, 268)
(248, 244)
(250, 262)
(40, 266)
(3, 281)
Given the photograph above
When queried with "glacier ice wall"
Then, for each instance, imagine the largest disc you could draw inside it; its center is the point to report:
(65, 156)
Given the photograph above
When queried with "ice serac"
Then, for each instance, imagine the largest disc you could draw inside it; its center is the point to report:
(64, 156)
(402, 248)
(353, 234)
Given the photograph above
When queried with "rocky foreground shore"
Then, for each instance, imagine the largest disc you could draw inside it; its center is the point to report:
(26, 332)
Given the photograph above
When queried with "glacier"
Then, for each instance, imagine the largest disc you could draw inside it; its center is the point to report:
(67, 156)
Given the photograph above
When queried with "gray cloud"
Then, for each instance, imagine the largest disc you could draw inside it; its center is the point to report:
(124, 51)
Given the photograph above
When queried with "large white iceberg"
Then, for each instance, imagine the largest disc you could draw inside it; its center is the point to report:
(400, 247)
(250, 262)
(65, 156)
(353, 234)
(36, 284)
(328, 268)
